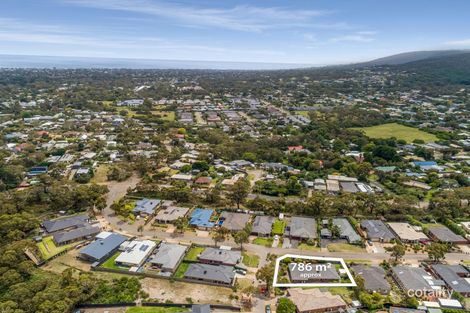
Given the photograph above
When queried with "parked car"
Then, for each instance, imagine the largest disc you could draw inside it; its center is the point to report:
(267, 309)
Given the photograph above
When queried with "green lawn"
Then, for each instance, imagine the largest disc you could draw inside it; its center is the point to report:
(48, 248)
(193, 253)
(165, 115)
(147, 309)
(181, 270)
(267, 242)
(278, 227)
(250, 260)
(344, 247)
(398, 131)
(110, 263)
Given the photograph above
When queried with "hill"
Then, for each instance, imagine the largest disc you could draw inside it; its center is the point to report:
(414, 56)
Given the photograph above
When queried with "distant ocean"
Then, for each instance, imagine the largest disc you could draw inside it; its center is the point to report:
(32, 61)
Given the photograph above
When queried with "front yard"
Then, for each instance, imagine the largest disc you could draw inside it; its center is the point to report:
(267, 242)
(344, 247)
(250, 260)
(193, 253)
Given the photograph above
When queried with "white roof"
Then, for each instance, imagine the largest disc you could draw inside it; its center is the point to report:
(450, 303)
(136, 252)
(103, 235)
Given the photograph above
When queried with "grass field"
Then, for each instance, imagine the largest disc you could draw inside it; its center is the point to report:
(193, 253)
(398, 131)
(165, 115)
(267, 242)
(146, 309)
(278, 227)
(48, 248)
(250, 260)
(344, 247)
(181, 270)
(101, 174)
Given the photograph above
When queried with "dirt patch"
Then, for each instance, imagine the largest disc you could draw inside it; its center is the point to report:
(179, 292)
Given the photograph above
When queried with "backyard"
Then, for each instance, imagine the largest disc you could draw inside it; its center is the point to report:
(181, 270)
(140, 309)
(110, 263)
(278, 227)
(48, 248)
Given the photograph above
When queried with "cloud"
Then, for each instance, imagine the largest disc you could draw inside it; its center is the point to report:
(241, 17)
(461, 42)
(359, 37)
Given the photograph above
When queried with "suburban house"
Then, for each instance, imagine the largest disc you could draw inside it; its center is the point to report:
(317, 274)
(146, 207)
(377, 230)
(201, 218)
(171, 214)
(346, 230)
(216, 274)
(315, 301)
(234, 221)
(412, 279)
(406, 233)
(262, 225)
(168, 257)
(104, 246)
(302, 228)
(444, 234)
(135, 253)
(456, 277)
(220, 256)
(65, 223)
(76, 234)
(374, 278)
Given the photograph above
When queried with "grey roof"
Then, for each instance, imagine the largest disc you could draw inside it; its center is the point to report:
(374, 278)
(348, 186)
(65, 222)
(201, 308)
(229, 257)
(146, 206)
(444, 234)
(303, 227)
(376, 229)
(347, 231)
(100, 248)
(168, 255)
(414, 278)
(453, 276)
(234, 221)
(263, 225)
(214, 273)
(76, 233)
(171, 213)
(320, 274)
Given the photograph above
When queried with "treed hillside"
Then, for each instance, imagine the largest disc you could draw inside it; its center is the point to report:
(447, 70)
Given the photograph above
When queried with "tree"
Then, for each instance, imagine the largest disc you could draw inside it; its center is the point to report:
(285, 305)
(335, 231)
(241, 237)
(266, 274)
(140, 229)
(180, 223)
(239, 191)
(437, 251)
(220, 234)
(398, 251)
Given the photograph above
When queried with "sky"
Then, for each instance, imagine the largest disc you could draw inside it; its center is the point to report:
(289, 31)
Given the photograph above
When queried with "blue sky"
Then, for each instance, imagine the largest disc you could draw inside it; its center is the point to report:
(290, 31)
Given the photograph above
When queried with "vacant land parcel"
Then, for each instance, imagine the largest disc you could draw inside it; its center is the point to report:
(398, 131)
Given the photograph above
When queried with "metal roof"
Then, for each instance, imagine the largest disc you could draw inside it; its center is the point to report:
(100, 248)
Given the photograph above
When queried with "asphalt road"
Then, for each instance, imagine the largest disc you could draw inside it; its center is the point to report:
(118, 189)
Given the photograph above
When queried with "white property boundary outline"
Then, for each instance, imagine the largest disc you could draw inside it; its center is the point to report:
(318, 258)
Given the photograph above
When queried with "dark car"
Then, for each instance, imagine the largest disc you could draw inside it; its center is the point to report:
(267, 309)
